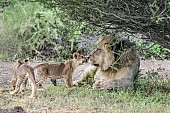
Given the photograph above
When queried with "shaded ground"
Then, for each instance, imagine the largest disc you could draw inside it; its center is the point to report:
(162, 67)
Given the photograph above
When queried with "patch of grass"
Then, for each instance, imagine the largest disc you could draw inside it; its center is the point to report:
(4, 57)
(83, 98)
(151, 94)
(125, 100)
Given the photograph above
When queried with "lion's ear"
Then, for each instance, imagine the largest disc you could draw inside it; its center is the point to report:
(75, 55)
(109, 48)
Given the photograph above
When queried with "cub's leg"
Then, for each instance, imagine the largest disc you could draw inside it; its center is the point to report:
(13, 83)
(54, 82)
(68, 81)
(23, 84)
(31, 79)
(41, 77)
(33, 86)
(40, 81)
(18, 84)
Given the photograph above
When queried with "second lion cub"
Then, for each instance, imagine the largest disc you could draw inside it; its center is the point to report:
(59, 70)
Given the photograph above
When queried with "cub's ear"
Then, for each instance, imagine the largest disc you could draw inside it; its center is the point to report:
(75, 55)
(20, 61)
(23, 61)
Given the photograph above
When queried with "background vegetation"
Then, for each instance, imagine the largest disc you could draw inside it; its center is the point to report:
(53, 29)
(31, 30)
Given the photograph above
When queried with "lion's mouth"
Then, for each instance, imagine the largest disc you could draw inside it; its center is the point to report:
(81, 63)
(93, 63)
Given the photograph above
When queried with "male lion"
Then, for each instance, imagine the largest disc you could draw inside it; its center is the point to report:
(114, 67)
(21, 72)
(59, 70)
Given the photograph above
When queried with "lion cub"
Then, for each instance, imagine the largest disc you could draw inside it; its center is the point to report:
(59, 70)
(23, 71)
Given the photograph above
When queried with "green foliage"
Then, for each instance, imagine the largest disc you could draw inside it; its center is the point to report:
(154, 51)
(158, 52)
(14, 18)
(149, 50)
(4, 56)
(39, 33)
(148, 17)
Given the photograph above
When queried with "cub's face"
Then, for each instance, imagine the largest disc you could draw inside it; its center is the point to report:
(79, 59)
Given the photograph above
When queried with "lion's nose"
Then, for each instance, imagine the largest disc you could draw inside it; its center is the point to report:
(88, 56)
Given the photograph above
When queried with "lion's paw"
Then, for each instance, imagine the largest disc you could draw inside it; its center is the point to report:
(12, 92)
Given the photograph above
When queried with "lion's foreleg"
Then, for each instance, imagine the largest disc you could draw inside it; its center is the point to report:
(114, 84)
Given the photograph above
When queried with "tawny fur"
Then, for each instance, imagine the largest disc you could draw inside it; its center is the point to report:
(59, 70)
(21, 72)
(113, 71)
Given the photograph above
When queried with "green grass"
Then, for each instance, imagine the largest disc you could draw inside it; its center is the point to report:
(3, 57)
(124, 100)
(152, 95)
(83, 98)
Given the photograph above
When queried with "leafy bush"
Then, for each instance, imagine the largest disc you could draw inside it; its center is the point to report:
(149, 50)
(39, 33)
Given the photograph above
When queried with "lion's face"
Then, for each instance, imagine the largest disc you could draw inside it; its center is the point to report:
(102, 56)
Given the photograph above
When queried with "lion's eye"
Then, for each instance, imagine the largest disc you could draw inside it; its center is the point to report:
(98, 49)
